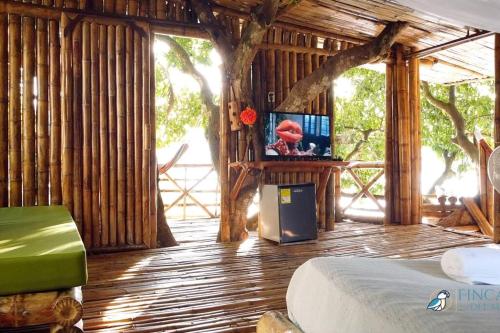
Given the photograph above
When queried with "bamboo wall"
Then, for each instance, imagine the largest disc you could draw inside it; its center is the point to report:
(77, 122)
(403, 140)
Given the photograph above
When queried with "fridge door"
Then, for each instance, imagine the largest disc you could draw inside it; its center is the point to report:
(297, 209)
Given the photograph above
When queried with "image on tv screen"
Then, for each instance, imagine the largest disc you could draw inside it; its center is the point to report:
(295, 135)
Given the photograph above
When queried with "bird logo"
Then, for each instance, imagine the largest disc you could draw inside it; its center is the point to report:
(439, 302)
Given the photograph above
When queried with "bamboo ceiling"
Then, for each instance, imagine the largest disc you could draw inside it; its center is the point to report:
(360, 20)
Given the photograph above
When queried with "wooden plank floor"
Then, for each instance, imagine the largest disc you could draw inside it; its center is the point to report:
(202, 286)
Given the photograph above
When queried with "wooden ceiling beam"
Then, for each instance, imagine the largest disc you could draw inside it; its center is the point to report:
(441, 47)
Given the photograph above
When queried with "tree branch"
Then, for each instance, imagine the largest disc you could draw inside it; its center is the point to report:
(320, 80)
(218, 34)
(450, 109)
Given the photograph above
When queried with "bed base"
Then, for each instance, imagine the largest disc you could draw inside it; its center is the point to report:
(61, 310)
(276, 322)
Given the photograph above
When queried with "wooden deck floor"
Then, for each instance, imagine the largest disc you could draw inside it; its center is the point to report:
(202, 286)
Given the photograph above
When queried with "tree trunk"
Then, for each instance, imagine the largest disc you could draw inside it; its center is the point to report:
(165, 236)
(238, 57)
(448, 173)
(450, 109)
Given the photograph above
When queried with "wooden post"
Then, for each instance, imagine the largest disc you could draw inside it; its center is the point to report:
(28, 114)
(94, 72)
(389, 148)
(103, 134)
(496, 195)
(67, 118)
(404, 137)
(225, 231)
(42, 113)
(415, 142)
(4, 118)
(15, 196)
(121, 131)
(129, 85)
(137, 125)
(77, 126)
(55, 113)
(113, 168)
(87, 136)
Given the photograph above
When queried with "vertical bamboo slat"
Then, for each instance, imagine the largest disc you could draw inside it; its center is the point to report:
(129, 84)
(389, 148)
(153, 176)
(87, 136)
(4, 109)
(138, 124)
(112, 124)
(278, 72)
(225, 230)
(404, 139)
(42, 126)
(415, 144)
(121, 134)
(147, 147)
(103, 133)
(67, 118)
(28, 113)
(15, 197)
(77, 127)
(94, 84)
(55, 113)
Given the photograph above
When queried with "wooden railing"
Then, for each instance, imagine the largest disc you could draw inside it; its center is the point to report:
(190, 191)
(364, 191)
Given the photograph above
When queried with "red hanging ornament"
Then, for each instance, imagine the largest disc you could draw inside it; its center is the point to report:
(248, 116)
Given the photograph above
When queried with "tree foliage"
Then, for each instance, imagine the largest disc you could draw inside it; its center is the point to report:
(176, 112)
(475, 102)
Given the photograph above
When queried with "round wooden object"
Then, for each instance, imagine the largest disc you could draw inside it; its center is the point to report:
(68, 311)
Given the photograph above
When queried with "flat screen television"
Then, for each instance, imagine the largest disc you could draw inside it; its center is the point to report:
(297, 136)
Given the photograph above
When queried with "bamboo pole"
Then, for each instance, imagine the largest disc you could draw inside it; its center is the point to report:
(77, 127)
(153, 176)
(87, 136)
(138, 124)
(225, 231)
(94, 72)
(55, 113)
(496, 195)
(147, 146)
(121, 7)
(15, 197)
(28, 113)
(161, 10)
(308, 66)
(315, 65)
(4, 112)
(278, 71)
(389, 148)
(271, 69)
(129, 86)
(121, 134)
(404, 139)
(67, 118)
(286, 66)
(42, 123)
(112, 124)
(414, 91)
(103, 134)
(132, 7)
(330, 188)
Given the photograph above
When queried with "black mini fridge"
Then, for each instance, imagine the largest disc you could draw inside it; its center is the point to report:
(288, 213)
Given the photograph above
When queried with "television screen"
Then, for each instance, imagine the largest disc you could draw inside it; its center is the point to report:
(297, 135)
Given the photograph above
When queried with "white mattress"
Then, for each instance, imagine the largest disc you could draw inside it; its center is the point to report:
(361, 295)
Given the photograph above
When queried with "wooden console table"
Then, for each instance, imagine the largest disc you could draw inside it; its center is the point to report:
(323, 167)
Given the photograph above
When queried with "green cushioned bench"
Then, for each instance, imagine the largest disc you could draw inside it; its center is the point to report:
(40, 250)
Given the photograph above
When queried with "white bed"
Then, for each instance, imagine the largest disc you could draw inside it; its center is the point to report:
(360, 295)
